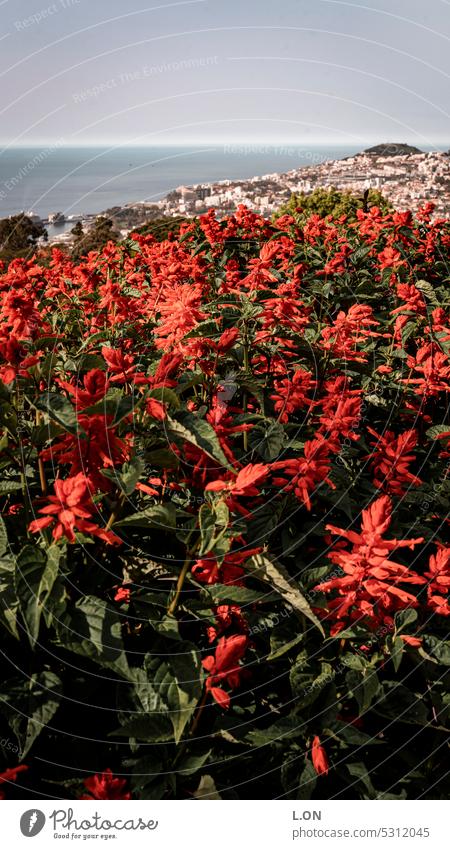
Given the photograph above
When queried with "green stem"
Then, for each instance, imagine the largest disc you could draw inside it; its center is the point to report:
(245, 396)
(181, 579)
(116, 512)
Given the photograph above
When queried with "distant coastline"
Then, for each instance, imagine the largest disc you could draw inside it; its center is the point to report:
(62, 186)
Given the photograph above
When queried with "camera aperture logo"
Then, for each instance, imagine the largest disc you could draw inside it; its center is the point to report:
(32, 822)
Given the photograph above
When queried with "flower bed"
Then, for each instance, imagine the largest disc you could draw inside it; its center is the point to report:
(225, 488)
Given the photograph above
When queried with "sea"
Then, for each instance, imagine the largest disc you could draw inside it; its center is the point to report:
(89, 180)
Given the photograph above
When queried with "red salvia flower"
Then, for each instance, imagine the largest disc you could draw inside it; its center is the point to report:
(369, 585)
(304, 474)
(391, 460)
(438, 575)
(224, 668)
(11, 775)
(105, 785)
(293, 394)
(71, 509)
(95, 386)
(319, 757)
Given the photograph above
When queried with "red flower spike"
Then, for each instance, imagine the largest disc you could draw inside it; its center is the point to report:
(71, 509)
(105, 785)
(319, 757)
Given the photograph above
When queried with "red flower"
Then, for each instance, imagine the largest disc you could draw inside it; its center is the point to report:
(434, 365)
(227, 616)
(155, 409)
(304, 474)
(292, 395)
(348, 331)
(123, 594)
(96, 447)
(414, 642)
(439, 577)
(319, 757)
(227, 340)
(71, 509)
(11, 775)
(245, 483)
(341, 419)
(369, 586)
(391, 459)
(230, 571)
(122, 367)
(95, 386)
(390, 258)
(223, 667)
(179, 309)
(105, 785)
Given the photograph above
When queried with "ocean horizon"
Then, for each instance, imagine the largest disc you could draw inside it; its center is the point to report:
(89, 180)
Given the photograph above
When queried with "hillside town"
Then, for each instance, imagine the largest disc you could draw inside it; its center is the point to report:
(405, 175)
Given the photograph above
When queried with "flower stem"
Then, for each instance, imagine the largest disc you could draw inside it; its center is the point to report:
(181, 579)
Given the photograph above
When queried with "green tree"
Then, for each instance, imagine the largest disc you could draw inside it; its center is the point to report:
(333, 202)
(162, 226)
(18, 236)
(95, 238)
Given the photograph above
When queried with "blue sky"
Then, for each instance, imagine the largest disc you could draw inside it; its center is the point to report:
(143, 72)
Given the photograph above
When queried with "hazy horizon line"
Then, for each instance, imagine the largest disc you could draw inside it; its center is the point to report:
(286, 143)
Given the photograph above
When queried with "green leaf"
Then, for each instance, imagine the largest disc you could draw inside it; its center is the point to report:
(436, 431)
(306, 782)
(364, 687)
(126, 405)
(213, 520)
(3, 538)
(9, 603)
(427, 290)
(440, 649)
(34, 578)
(280, 580)
(280, 644)
(206, 789)
(395, 647)
(159, 516)
(92, 629)
(185, 688)
(127, 478)
(190, 428)
(30, 705)
(400, 704)
(220, 593)
(190, 764)
(265, 519)
(162, 458)
(286, 728)
(359, 772)
(404, 618)
(166, 396)
(9, 486)
(173, 687)
(153, 728)
(59, 408)
(353, 736)
(305, 688)
(268, 441)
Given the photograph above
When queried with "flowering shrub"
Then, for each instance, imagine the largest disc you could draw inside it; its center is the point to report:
(225, 487)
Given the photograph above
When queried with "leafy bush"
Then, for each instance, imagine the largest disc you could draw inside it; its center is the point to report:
(225, 487)
(19, 236)
(332, 201)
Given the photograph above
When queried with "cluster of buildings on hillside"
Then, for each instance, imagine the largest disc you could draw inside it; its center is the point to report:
(408, 179)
